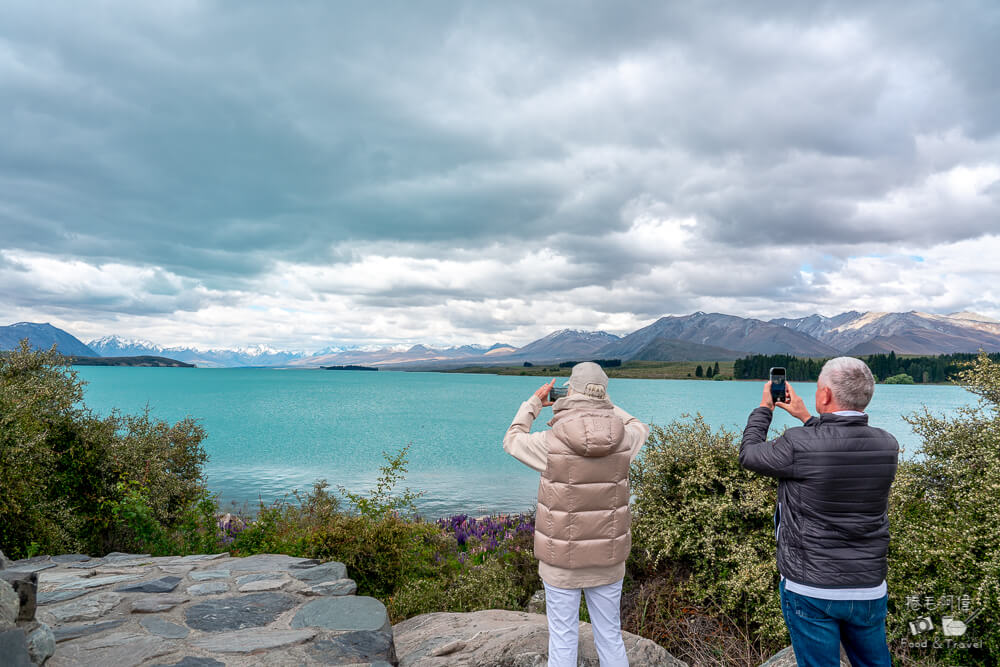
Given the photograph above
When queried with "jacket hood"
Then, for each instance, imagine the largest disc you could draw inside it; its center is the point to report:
(587, 425)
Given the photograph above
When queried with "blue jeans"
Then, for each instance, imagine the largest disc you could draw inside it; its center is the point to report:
(818, 627)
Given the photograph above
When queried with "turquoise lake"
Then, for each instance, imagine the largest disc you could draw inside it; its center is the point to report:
(271, 431)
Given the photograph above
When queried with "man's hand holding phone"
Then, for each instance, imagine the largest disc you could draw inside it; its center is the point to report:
(793, 403)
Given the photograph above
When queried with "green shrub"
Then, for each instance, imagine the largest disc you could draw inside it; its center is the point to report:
(72, 481)
(945, 523)
(902, 378)
(702, 516)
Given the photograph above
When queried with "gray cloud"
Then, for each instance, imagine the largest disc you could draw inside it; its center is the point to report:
(220, 143)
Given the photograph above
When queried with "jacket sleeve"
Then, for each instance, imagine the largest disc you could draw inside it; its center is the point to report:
(775, 458)
(635, 430)
(529, 448)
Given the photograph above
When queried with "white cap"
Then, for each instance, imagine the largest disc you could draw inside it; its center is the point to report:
(589, 379)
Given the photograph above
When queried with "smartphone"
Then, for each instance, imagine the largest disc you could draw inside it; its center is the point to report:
(778, 394)
(555, 393)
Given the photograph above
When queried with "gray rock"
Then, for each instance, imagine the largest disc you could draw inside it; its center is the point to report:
(786, 658)
(536, 605)
(206, 575)
(192, 661)
(499, 637)
(25, 584)
(86, 565)
(66, 632)
(119, 556)
(4, 563)
(58, 577)
(338, 587)
(33, 567)
(325, 572)
(238, 612)
(208, 588)
(263, 585)
(96, 582)
(51, 597)
(159, 626)
(161, 585)
(71, 558)
(265, 563)
(308, 562)
(247, 578)
(343, 613)
(10, 605)
(118, 649)
(14, 648)
(41, 644)
(201, 557)
(249, 641)
(362, 646)
(85, 609)
(157, 604)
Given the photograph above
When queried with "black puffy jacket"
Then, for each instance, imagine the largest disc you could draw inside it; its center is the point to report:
(834, 474)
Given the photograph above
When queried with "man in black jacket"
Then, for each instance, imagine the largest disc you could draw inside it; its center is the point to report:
(831, 522)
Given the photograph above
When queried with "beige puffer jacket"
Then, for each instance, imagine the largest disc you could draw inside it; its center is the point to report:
(582, 535)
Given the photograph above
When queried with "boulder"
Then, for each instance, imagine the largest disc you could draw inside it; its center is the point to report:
(9, 606)
(786, 658)
(25, 584)
(41, 644)
(506, 638)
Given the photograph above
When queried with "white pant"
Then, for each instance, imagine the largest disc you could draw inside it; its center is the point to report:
(562, 607)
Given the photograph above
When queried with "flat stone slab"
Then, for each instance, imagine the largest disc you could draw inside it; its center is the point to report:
(209, 588)
(37, 566)
(96, 582)
(263, 585)
(262, 576)
(236, 613)
(325, 572)
(200, 557)
(343, 613)
(786, 658)
(164, 628)
(338, 587)
(358, 647)
(157, 604)
(128, 649)
(266, 563)
(51, 597)
(64, 577)
(71, 558)
(66, 632)
(192, 661)
(205, 575)
(161, 585)
(89, 608)
(249, 641)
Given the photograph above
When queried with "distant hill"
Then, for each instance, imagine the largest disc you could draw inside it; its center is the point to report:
(258, 355)
(904, 333)
(143, 361)
(43, 336)
(565, 344)
(740, 334)
(669, 349)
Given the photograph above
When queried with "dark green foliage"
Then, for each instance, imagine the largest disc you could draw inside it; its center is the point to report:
(699, 371)
(922, 369)
(73, 481)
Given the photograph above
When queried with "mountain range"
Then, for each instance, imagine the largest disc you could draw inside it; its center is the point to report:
(695, 337)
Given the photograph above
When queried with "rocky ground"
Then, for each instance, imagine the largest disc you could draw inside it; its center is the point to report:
(192, 611)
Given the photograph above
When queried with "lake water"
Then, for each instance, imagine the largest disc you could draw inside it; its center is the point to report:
(271, 431)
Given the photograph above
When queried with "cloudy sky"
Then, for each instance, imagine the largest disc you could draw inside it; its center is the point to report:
(312, 173)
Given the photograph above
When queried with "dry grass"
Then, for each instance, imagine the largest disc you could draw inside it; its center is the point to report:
(655, 608)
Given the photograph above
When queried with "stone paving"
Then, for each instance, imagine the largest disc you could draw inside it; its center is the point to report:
(133, 609)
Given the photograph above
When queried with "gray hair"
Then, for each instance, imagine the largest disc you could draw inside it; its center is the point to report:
(850, 380)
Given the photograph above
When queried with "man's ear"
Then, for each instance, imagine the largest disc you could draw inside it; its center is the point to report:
(825, 396)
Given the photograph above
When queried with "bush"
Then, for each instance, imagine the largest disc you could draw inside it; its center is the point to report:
(75, 482)
(945, 523)
(902, 378)
(707, 521)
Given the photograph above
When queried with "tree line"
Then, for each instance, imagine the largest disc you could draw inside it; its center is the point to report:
(923, 369)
